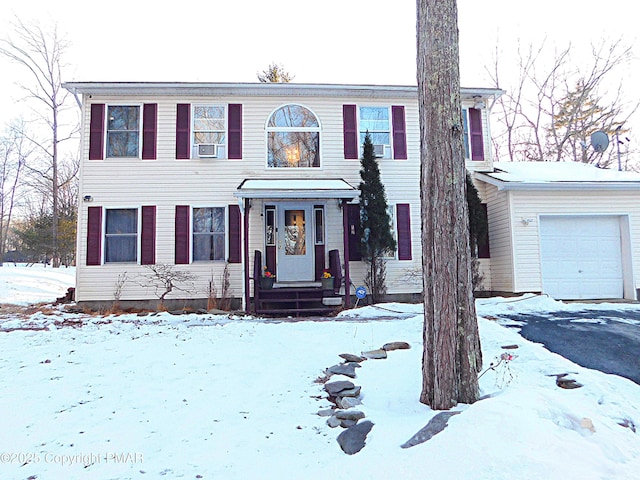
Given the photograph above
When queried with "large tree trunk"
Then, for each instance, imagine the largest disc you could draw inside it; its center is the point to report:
(452, 358)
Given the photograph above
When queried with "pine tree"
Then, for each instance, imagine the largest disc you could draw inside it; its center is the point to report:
(452, 357)
(578, 116)
(377, 238)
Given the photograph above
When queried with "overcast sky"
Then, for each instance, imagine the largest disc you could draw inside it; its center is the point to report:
(333, 41)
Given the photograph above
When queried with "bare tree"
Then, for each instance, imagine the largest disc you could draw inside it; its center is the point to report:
(451, 358)
(40, 52)
(164, 279)
(556, 103)
(275, 73)
(13, 154)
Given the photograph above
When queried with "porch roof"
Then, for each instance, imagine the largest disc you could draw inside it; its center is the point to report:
(296, 188)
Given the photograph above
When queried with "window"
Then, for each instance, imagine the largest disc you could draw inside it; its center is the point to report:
(208, 234)
(121, 235)
(123, 131)
(209, 125)
(472, 128)
(270, 226)
(293, 138)
(375, 120)
(318, 213)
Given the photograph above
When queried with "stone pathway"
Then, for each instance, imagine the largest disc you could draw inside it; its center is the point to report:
(345, 395)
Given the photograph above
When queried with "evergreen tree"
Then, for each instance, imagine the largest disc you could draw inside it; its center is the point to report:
(578, 116)
(477, 217)
(377, 238)
(275, 74)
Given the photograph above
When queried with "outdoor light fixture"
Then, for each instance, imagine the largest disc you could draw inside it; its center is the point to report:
(88, 198)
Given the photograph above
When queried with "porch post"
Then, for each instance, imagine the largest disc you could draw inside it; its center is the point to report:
(345, 247)
(245, 236)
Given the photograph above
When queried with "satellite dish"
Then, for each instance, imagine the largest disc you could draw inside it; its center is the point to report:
(599, 141)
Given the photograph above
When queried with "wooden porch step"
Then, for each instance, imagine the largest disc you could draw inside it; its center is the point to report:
(294, 301)
(297, 311)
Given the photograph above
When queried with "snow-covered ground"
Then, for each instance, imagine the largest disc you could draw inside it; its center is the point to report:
(218, 397)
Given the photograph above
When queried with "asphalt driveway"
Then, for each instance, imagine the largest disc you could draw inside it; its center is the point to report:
(605, 340)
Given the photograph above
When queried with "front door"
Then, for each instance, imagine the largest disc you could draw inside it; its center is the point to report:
(294, 255)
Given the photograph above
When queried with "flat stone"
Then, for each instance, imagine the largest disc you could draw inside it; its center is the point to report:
(351, 392)
(375, 354)
(395, 346)
(347, 423)
(347, 402)
(327, 412)
(350, 414)
(347, 369)
(333, 388)
(333, 421)
(353, 439)
(435, 426)
(349, 357)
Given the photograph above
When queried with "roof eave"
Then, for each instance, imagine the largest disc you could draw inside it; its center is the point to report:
(503, 185)
(265, 89)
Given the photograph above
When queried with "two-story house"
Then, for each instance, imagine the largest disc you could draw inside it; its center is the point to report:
(248, 177)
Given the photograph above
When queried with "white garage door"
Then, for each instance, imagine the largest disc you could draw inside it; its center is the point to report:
(581, 257)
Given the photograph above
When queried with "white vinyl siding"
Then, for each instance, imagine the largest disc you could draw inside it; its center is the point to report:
(519, 212)
(168, 182)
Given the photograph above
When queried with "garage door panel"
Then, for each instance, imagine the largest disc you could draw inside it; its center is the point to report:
(581, 257)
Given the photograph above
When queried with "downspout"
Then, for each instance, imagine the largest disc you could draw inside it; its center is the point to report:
(75, 95)
(345, 246)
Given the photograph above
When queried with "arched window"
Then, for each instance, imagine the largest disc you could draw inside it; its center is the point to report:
(293, 138)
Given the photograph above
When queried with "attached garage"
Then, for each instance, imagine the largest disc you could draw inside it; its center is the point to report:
(568, 230)
(581, 257)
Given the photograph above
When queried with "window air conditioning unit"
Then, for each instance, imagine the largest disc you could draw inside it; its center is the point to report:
(207, 150)
(378, 151)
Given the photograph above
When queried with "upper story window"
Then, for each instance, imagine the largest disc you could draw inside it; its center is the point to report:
(472, 134)
(209, 130)
(123, 131)
(375, 120)
(121, 235)
(293, 138)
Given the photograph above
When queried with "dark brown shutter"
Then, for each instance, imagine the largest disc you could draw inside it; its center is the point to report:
(235, 234)
(399, 132)
(353, 231)
(235, 132)
(475, 132)
(148, 241)
(350, 131)
(94, 235)
(96, 132)
(183, 131)
(149, 130)
(403, 222)
(182, 234)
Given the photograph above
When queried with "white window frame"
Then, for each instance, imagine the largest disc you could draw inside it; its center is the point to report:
(388, 150)
(106, 129)
(193, 233)
(466, 135)
(138, 235)
(221, 146)
(269, 130)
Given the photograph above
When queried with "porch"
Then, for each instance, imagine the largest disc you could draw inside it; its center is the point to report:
(290, 238)
(299, 298)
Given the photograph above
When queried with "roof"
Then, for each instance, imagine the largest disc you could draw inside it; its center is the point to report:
(296, 188)
(557, 176)
(266, 89)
